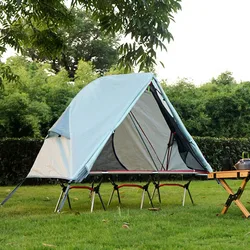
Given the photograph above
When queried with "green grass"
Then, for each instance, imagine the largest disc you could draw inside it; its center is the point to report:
(27, 220)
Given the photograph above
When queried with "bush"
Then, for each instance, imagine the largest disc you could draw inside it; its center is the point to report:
(16, 159)
(222, 153)
(18, 155)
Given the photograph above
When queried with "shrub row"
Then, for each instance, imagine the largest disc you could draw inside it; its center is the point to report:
(222, 153)
(16, 158)
(18, 155)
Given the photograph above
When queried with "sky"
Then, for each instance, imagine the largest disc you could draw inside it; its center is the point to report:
(210, 37)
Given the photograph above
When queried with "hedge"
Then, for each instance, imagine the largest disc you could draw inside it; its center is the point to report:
(222, 153)
(16, 158)
(18, 155)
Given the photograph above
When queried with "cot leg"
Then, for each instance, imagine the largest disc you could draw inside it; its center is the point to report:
(115, 188)
(63, 198)
(159, 196)
(184, 197)
(186, 188)
(145, 189)
(153, 194)
(118, 196)
(96, 190)
(69, 202)
(156, 187)
(92, 188)
(92, 201)
(151, 202)
(142, 199)
(101, 201)
(111, 196)
(59, 200)
(190, 196)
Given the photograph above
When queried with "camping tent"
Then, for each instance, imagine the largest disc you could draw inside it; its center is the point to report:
(118, 123)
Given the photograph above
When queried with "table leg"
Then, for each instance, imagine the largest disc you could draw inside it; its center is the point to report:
(235, 197)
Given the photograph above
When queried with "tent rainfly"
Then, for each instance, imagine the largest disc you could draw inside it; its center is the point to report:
(118, 123)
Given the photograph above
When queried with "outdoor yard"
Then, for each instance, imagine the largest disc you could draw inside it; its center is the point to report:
(28, 220)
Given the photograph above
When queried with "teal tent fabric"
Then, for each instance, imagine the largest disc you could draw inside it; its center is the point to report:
(125, 118)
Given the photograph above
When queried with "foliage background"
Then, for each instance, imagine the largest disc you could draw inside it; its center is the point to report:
(219, 108)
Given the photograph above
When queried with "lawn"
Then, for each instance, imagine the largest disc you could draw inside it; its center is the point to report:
(28, 220)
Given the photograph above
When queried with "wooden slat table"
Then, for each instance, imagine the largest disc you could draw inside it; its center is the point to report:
(233, 197)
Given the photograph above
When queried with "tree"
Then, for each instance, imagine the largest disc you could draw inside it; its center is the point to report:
(31, 107)
(6, 73)
(225, 78)
(83, 40)
(185, 97)
(58, 92)
(22, 108)
(35, 24)
(223, 111)
(219, 108)
(22, 117)
(26, 23)
(84, 74)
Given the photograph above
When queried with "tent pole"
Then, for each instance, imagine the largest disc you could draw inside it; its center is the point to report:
(138, 129)
(12, 192)
(169, 150)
